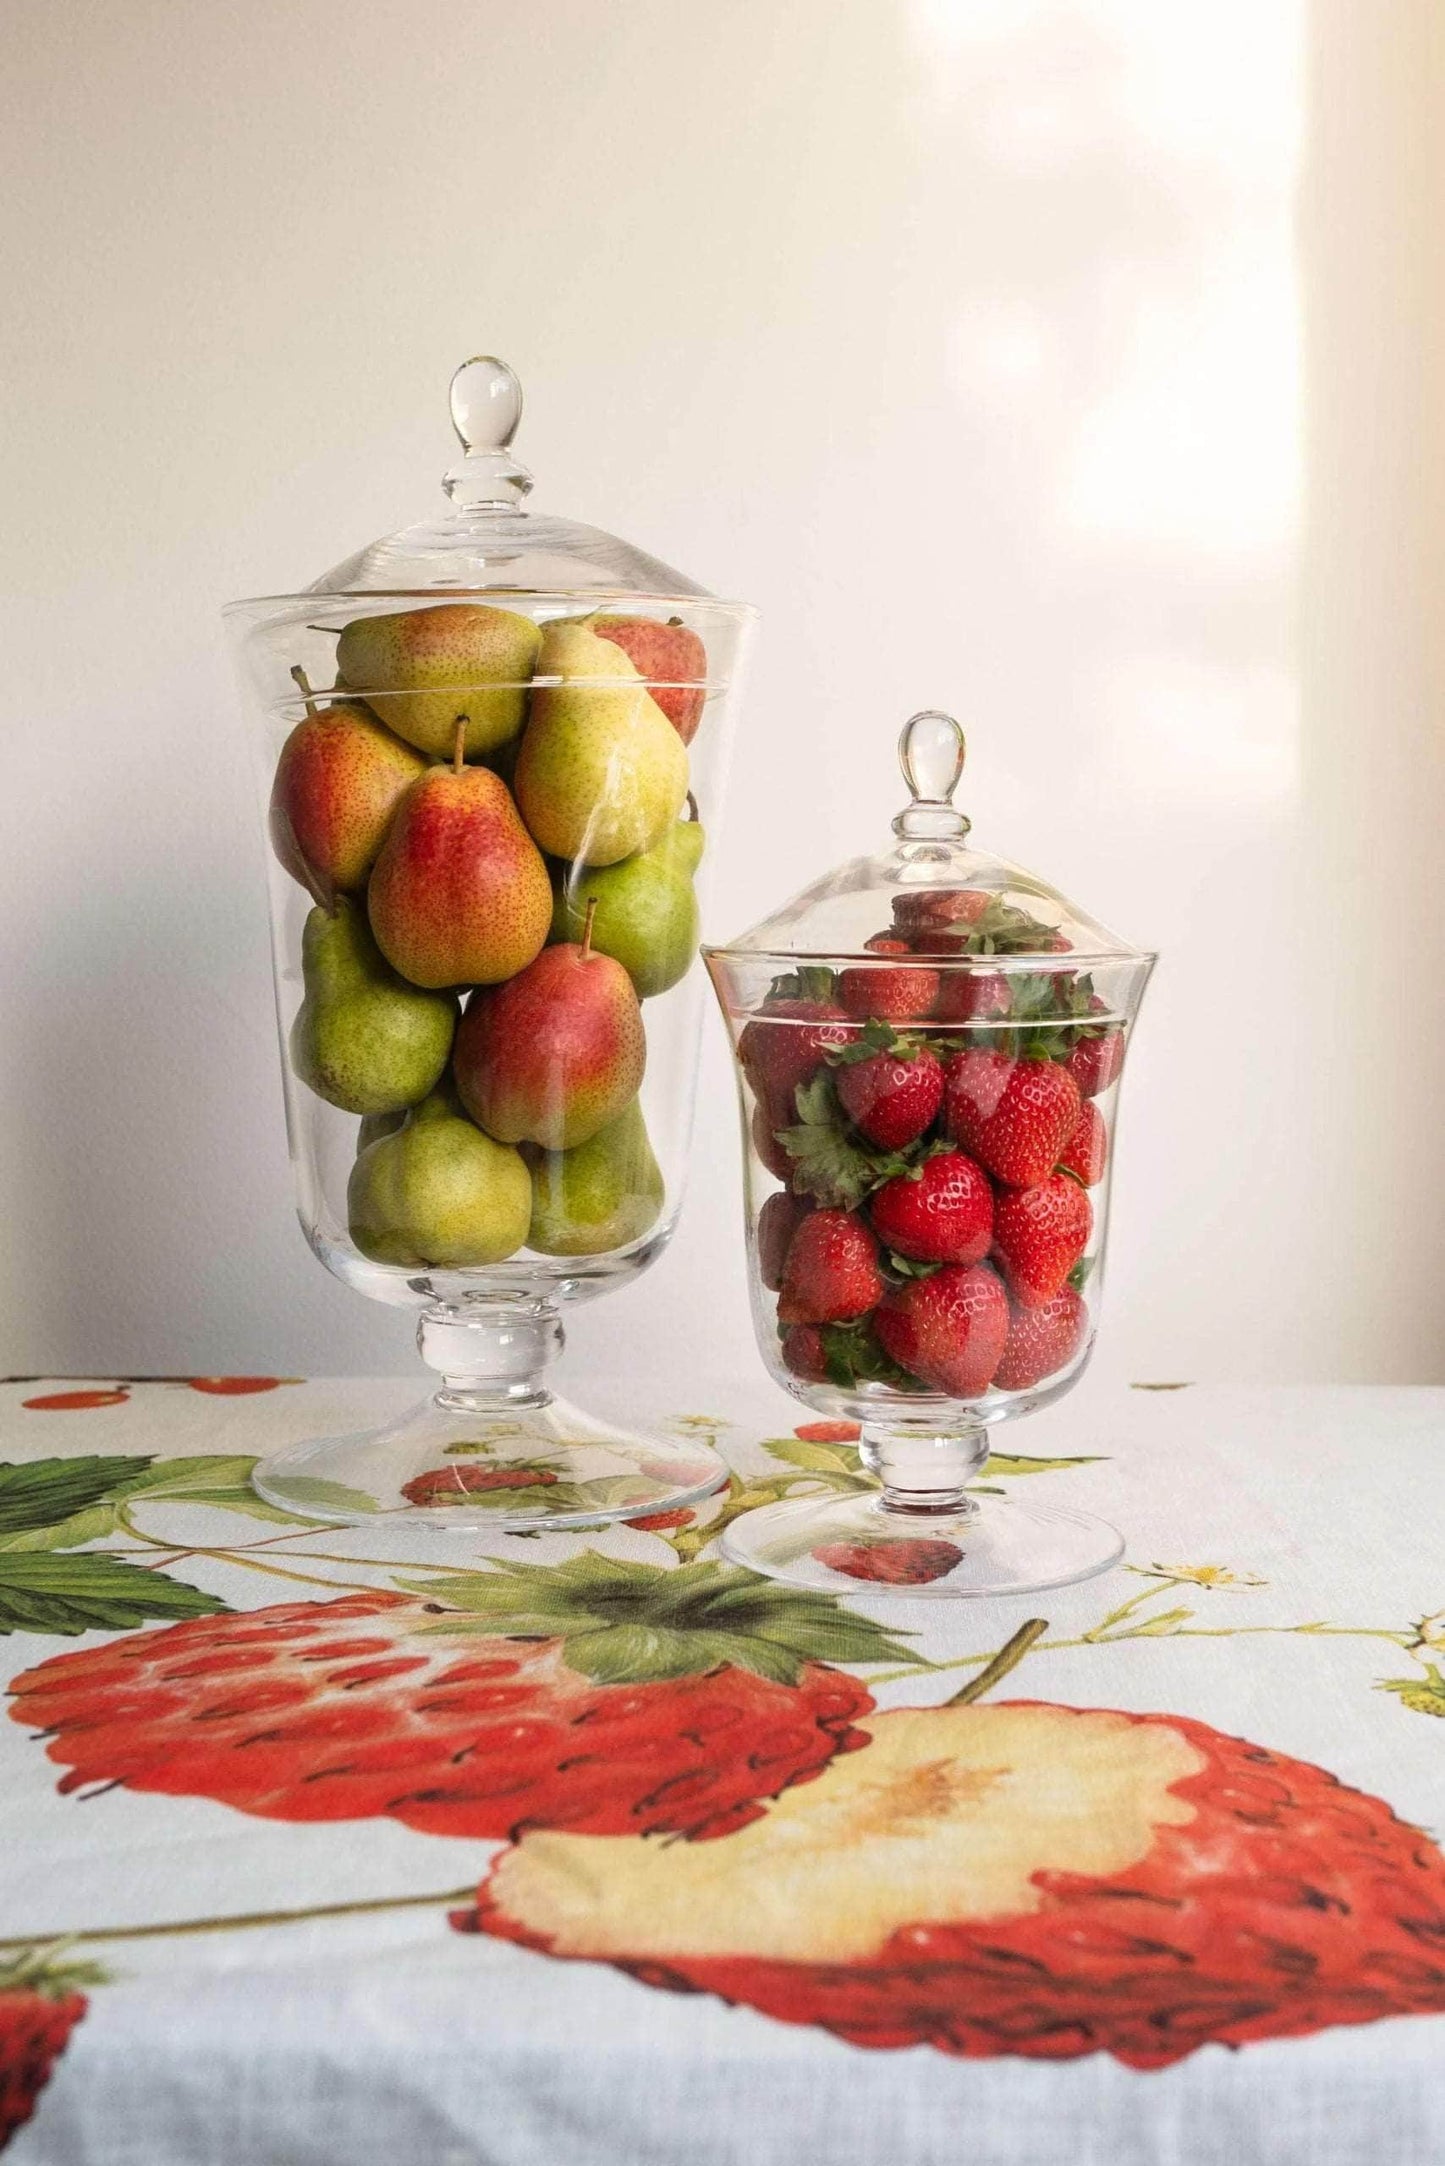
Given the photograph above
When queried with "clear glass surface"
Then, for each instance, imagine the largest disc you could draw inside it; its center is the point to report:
(929, 1115)
(491, 809)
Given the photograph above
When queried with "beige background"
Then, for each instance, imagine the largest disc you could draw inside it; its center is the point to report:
(1075, 366)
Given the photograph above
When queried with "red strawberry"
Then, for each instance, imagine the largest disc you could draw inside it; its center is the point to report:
(778, 1221)
(1039, 1234)
(234, 1387)
(892, 1097)
(909, 1562)
(892, 993)
(39, 2008)
(1014, 1117)
(1042, 1341)
(803, 1355)
(831, 1273)
(766, 1123)
(971, 996)
(941, 1214)
(931, 908)
(659, 1522)
(948, 1330)
(661, 1700)
(829, 1432)
(70, 1402)
(783, 1047)
(454, 1484)
(1087, 1152)
(1094, 1063)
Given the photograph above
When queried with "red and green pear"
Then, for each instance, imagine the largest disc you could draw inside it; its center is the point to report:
(421, 670)
(556, 1053)
(459, 894)
(337, 784)
(601, 773)
(671, 657)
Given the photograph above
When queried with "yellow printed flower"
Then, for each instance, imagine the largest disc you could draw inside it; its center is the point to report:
(1430, 1631)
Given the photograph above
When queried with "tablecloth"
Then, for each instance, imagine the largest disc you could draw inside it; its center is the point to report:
(753, 1884)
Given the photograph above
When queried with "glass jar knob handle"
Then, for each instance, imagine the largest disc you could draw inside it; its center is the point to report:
(486, 407)
(931, 752)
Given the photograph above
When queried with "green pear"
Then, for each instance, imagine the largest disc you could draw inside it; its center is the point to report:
(438, 1193)
(601, 773)
(422, 669)
(647, 916)
(364, 1039)
(605, 1193)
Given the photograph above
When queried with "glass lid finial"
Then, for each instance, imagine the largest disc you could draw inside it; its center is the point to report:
(486, 407)
(931, 753)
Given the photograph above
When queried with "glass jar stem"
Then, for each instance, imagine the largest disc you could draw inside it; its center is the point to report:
(490, 1353)
(924, 1470)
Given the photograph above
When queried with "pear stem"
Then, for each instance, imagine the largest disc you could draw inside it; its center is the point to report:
(459, 744)
(1012, 1651)
(303, 682)
(587, 927)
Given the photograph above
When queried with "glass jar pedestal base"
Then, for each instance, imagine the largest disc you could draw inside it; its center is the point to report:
(922, 1533)
(493, 1449)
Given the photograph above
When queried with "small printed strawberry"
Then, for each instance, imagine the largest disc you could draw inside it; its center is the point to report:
(910, 1562)
(39, 2008)
(948, 1330)
(971, 996)
(784, 1046)
(943, 1213)
(1014, 1117)
(842, 1432)
(1042, 1341)
(74, 1402)
(891, 1098)
(831, 1273)
(234, 1387)
(1039, 1234)
(778, 1221)
(893, 994)
(601, 1695)
(934, 907)
(804, 1354)
(467, 1478)
(662, 1522)
(1086, 1153)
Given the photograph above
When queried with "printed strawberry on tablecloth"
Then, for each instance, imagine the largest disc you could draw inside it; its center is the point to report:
(691, 1778)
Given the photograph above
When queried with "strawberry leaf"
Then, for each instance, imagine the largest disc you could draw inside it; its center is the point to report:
(622, 1622)
(909, 1267)
(1001, 1463)
(810, 981)
(42, 1492)
(838, 1461)
(1079, 1277)
(876, 1037)
(852, 1355)
(828, 1160)
(89, 1593)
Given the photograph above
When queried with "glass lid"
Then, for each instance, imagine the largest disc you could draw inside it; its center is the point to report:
(487, 540)
(931, 894)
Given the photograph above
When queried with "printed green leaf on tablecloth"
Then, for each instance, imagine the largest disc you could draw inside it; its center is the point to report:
(90, 1592)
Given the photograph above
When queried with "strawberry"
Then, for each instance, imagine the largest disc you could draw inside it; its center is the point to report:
(891, 1097)
(454, 1484)
(831, 1273)
(804, 1354)
(909, 1562)
(971, 996)
(1087, 1151)
(39, 2008)
(765, 1126)
(1095, 1062)
(1014, 1117)
(662, 1522)
(1039, 1234)
(1042, 1341)
(783, 1047)
(893, 994)
(948, 1330)
(934, 907)
(943, 1213)
(778, 1221)
(844, 1432)
(604, 1696)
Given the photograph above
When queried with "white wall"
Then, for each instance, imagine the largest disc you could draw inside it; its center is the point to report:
(1076, 366)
